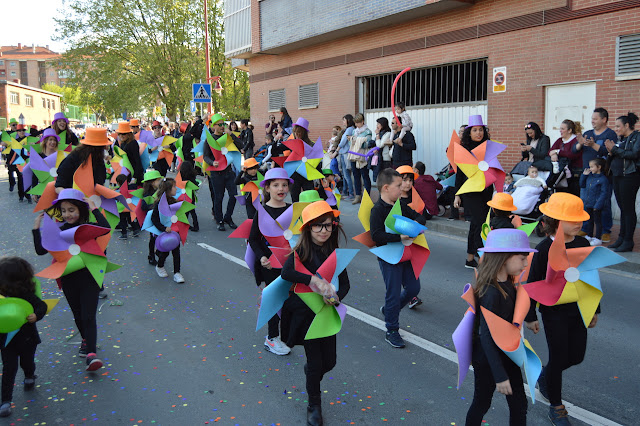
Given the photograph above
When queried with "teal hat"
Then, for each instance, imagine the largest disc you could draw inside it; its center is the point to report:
(13, 313)
(152, 175)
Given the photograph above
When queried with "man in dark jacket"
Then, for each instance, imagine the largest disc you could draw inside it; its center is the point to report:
(402, 155)
(247, 139)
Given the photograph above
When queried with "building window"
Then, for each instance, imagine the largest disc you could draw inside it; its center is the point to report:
(444, 84)
(1, 62)
(44, 103)
(308, 96)
(48, 103)
(53, 104)
(12, 64)
(13, 74)
(43, 74)
(28, 100)
(14, 98)
(277, 100)
(51, 74)
(628, 55)
(3, 73)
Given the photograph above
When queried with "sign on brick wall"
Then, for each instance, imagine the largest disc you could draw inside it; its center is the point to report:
(499, 79)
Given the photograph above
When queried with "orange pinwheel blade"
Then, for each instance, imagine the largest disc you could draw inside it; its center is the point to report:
(83, 178)
(462, 156)
(455, 140)
(523, 303)
(480, 151)
(558, 259)
(54, 271)
(416, 201)
(365, 238)
(506, 335)
(47, 198)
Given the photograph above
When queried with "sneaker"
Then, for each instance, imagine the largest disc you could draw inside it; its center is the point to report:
(136, 233)
(276, 346)
(102, 295)
(29, 383)
(93, 363)
(29, 200)
(162, 273)
(177, 277)
(5, 409)
(588, 238)
(122, 236)
(472, 264)
(606, 238)
(415, 302)
(11, 188)
(542, 384)
(394, 339)
(595, 242)
(559, 416)
(231, 224)
(382, 310)
(152, 260)
(82, 353)
(221, 226)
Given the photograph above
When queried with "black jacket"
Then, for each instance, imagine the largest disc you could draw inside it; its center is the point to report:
(68, 167)
(402, 155)
(540, 152)
(379, 213)
(247, 140)
(629, 151)
(133, 152)
(28, 334)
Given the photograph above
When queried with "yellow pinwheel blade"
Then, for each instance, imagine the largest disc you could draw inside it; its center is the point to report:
(469, 169)
(569, 294)
(421, 240)
(476, 183)
(588, 300)
(364, 213)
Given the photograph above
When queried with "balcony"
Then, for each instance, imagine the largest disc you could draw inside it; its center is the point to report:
(237, 28)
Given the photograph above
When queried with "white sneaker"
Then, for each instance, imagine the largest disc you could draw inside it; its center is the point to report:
(162, 273)
(177, 277)
(276, 346)
(595, 242)
(588, 238)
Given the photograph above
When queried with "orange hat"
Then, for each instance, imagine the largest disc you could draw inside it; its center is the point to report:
(95, 137)
(502, 201)
(183, 127)
(565, 206)
(405, 170)
(134, 122)
(250, 163)
(124, 127)
(315, 210)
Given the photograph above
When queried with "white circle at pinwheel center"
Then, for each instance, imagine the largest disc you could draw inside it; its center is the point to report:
(572, 275)
(304, 159)
(129, 200)
(260, 191)
(224, 150)
(53, 172)
(174, 218)
(288, 234)
(407, 242)
(121, 163)
(483, 166)
(96, 200)
(74, 249)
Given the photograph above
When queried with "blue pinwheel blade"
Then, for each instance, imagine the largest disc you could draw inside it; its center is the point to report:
(273, 297)
(600, 257)
(391, 253)
(592, 278)
(343, 258)
(291, 167)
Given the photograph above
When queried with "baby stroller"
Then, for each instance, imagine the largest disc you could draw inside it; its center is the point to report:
(447, 178)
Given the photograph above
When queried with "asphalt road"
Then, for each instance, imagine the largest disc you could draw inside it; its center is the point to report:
(189, 354)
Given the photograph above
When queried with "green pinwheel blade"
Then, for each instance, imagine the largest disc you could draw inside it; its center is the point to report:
(390, 221)
(312, 172)
(63, 138)
(74, 264)
(42, 175)
(528, 227)
(97, 266)
(6, 137)
(39, 188)
(182, 211)
(326, 323)
(37, 287)
(314, 301)
(179, 143)
(216, 144)
(137, 193)
(111, 218)
(112, 267)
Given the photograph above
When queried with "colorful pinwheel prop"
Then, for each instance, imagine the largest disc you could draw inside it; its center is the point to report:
(163, 144)
(417, 204)
(136, 197)
(131, 201)
(14, 149)
(44, 169)
(364, 214)
(76, 248)
(572, 276)
(333, 196)
(172, 216)
(120, 164)
(224, 151)
(253, 188)
(304, 159)
(507, 336)
(481, 166)
(186, 190)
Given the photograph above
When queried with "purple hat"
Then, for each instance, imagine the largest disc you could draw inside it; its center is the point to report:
(49, 132)
(302, 123)
(277, 173)
(59, 116)
(507, 241)
(69, 194)
(475, 120)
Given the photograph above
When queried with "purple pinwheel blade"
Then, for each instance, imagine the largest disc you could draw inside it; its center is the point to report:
(50, 235)
(493, 150)
(313, 152)
(285, 218)
(109, 204)
(163, 206)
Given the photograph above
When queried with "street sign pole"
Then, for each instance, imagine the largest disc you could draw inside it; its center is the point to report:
(206, 52)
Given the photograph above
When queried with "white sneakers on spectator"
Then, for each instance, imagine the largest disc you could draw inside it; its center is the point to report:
(177, 277)
(595, 241)
(276, 346)
(162, 273)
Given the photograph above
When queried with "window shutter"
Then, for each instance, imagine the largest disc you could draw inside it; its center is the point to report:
(628, 55)
(277, 100)
(308, 96)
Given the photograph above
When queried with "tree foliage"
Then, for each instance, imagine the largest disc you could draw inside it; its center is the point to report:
(131, 53)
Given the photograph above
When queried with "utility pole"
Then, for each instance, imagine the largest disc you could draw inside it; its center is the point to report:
(206, 47)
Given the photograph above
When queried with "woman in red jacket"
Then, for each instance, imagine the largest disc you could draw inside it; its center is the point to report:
(562, 155)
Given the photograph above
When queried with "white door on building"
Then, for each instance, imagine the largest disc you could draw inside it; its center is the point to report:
(568, 101)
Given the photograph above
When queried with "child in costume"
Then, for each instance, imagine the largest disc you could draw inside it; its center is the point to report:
(169, 189)
(150, 185)
(318, 240)
(563, 323)
(504, 259)
(501, 208)
(80, 287)
(276, 185)
(188, 173)
(17, 281)
(249, 174)
(125, 216)
(401, 284)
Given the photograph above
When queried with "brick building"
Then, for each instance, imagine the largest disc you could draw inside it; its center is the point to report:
(31, 65)
(562, 58)
(29, 105)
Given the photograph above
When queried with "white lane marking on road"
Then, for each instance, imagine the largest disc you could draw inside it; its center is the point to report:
(575, 411)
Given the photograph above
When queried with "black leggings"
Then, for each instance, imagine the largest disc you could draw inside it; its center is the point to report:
(477, 212)
(321, 358)
(25, 355)
(485, 385)
(82, 297)
(567, 342)
(274, 323)
(162, 257)
(152, 245)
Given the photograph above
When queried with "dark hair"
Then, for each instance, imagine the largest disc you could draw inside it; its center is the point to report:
(165, 186)
(266, 194)
(574, 126)
(147, 187)
(631, 119)
(501, 213)
(599, 162)
(305, 243)
(466, 138)
(420, 167)
(350, 122)
(537, 133)
(532, 167)
(95, 152)
(121, 179)
(233, 124)
(187, 171)
(304, 135)
(384, 123)
(16, 277)
(401, 105)
(284, 111)
(244, 121)
(549, 225)
(398, 120)
(603, 112)
(83, 208)
(386, 177)
(488, 272)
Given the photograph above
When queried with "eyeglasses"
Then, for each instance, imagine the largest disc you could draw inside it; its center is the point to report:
(157, 127)
(318, 227)
(135, 127)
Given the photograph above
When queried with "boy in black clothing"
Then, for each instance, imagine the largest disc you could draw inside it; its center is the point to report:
(399, 276)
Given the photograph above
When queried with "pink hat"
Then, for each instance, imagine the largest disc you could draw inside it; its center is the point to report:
(302, 123)
(475, 120)
(277, 173)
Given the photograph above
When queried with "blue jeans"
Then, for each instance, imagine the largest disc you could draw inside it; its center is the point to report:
(402, 286)
(606, 216)
(360, 173)
(346, 175)
(218, 183)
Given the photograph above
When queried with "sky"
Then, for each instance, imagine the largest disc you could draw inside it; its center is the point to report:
(40, 28)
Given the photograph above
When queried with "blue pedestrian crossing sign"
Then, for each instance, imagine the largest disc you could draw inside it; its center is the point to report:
(201, 92)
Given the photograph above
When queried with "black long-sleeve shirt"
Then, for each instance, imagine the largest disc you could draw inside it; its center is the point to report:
(379, 213)
(133, 152)
(28, 333)
(208, 154)
(256, 240)
(247, 140)
(68, 167)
